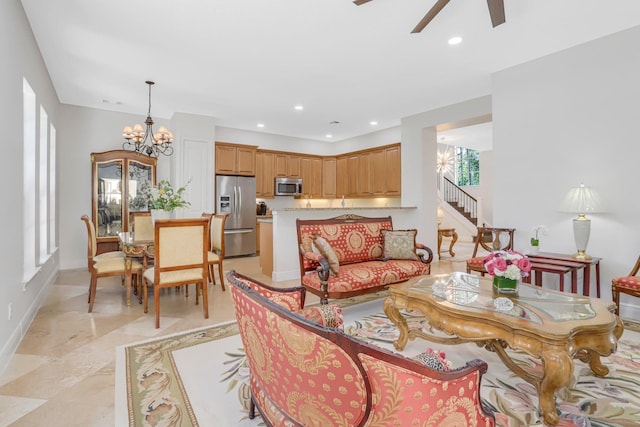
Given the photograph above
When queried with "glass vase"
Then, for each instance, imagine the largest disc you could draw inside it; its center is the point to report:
(504, 286)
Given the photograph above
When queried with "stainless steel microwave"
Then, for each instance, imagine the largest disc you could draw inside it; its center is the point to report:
(288, 187)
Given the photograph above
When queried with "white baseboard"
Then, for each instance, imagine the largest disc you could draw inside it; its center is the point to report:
(10, 347)
(281, 276)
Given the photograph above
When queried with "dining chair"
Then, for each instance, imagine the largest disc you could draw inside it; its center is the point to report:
(216, 247)
(142, 225)
(629, 285)
(489, 239)
(180, 258)
(105, 264)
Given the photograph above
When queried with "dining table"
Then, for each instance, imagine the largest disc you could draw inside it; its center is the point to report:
(133, 248)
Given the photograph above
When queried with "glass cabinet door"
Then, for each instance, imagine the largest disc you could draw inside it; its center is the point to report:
(109, 219)
(141, 178)
(119, 179)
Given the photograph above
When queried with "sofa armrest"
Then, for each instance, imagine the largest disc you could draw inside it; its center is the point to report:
(425, 258)
(323, 274)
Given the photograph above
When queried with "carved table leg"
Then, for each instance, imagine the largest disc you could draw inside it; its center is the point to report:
(558, 368)
(398, 319)
(454, 239)
(127, 281)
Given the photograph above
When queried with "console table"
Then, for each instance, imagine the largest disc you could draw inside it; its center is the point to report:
(568, 260)
(551, 326)
(447, 232)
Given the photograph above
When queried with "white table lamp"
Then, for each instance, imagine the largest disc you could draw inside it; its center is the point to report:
(581, 200)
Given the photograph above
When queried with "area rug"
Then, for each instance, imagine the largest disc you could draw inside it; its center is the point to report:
(199, 378)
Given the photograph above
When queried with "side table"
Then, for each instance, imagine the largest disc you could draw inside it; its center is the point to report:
(447, 232)
(561, 259)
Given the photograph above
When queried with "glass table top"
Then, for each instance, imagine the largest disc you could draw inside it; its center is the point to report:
(467, 290)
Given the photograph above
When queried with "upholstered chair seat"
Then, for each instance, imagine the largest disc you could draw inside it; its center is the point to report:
(489, 239)
(105, 264)
(629, 285)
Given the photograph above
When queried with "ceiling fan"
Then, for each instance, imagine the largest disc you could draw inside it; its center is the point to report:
(496, 10)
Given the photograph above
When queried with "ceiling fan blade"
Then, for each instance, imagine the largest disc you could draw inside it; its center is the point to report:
(359, 2)
(496, 10)
(430, 15)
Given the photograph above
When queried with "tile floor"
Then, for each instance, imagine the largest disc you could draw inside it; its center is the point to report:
(63, 371)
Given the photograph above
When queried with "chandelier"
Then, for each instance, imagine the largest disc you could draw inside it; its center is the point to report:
(147, 142)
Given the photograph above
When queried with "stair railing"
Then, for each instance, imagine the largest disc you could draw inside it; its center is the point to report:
(460, 199)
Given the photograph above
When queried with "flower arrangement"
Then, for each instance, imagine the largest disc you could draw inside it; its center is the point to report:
(165, 197)
(508, 264)
(538, 230)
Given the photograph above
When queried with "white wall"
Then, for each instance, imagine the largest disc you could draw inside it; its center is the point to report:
(21, 58)
(84, 131)
(419, 148)
(563, 119)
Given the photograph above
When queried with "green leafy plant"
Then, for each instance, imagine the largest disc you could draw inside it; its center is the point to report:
(165, 197)
(538, 230)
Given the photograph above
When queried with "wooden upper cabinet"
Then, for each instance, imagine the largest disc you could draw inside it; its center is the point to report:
(393, 172)
(329, 175)
(379, 173)
(281, 165)
(364, 174)
(293, 167)
(233, 159)
(311, 172)
(342, 177)
(265, 162)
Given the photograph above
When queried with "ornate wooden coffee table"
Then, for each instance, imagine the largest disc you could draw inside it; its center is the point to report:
(551, 326)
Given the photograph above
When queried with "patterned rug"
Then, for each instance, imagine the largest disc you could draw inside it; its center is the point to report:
(199, 378)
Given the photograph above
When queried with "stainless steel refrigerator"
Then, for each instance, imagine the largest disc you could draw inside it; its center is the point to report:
(236, 195)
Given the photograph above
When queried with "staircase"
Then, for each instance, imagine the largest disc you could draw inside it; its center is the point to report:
(460, 200)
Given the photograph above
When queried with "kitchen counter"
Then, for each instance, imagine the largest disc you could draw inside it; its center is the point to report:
(346, 208)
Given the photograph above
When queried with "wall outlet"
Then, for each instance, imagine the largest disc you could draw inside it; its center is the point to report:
(10, 311)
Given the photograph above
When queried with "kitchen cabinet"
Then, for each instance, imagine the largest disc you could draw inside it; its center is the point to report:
(393, 173)
(265, 174)
(329, 176)
(234, 159)
(311, 173)
(342, 177)
(281, 165)
(364, 175)
(266, 247)
(118, 181)
(379, 175)
(293, 166)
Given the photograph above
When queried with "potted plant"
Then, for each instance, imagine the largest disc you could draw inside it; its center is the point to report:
(507, 269)
(163, 200)
(535, 241)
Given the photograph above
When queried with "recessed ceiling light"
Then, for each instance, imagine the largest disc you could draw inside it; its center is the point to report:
(328, 135)
(260, 125)
(455, 40)
(373, 122)
(299, 107)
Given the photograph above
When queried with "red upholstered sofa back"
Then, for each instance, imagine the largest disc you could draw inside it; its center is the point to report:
(352, 240)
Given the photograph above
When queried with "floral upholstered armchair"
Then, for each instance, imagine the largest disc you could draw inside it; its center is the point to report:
(302, 373)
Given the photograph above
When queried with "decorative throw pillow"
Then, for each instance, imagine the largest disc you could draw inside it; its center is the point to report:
(329, 315)
(434, 359)
(399, 244)
(328, 253)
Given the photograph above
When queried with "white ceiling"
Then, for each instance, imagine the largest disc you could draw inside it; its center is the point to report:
(250, 61)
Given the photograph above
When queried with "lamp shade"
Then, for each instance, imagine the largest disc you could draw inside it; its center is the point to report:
(582, 200)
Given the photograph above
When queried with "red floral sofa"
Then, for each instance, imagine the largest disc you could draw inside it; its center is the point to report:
(305, 374)
(364, 255)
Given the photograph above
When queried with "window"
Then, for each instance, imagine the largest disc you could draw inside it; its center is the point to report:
(29, 182)
(52, 189)
(43, 190)
(39, 185)
(467, 166)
